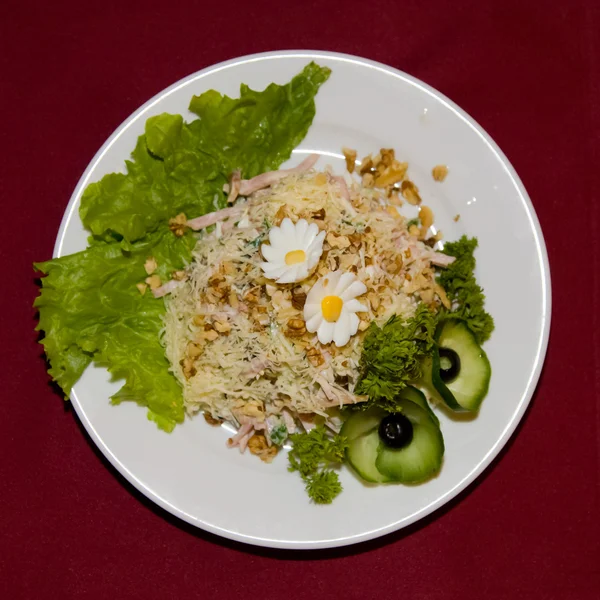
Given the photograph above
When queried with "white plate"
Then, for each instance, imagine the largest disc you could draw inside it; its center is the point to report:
(364, 105)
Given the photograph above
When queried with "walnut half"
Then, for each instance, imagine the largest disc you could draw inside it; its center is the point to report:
(295, 328)
(259, 446)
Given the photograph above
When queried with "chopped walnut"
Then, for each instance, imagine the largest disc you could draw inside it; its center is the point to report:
(141, 287)
(456, 218)
(388, 156)
(441, 294)
(355, 239)
(228, 267)
(394, 199)
(150, 265)
(414, 230)
(367, 165)
(193, 350)
(426, 295)
(332, 262)
(394, 266)
(295, 328)
(261, 318)
(252, 296)
(318, 215)
(198, 320)
(411, 192)
(347, 260)
(320, 179)
(363, 325)
(350, 156)
(153, 281)
(315, 357)
(368, 180)
(298, 297)
(373, 299)
(178, 275)
(253, 408)
(337, 241)
(233, 299)
(211, 420)
(178, 224)
(280, 215)
(216, 280)
(222, 326)
(187, 365)
(393, 211)
(426, 218)
(392, 174)
(439, 172)
(210, 335)
(259, 446)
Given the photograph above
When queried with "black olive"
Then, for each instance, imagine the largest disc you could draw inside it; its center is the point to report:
(449, 364)
(396, 431)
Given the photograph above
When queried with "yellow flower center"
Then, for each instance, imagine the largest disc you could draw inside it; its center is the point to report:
(331, 307)
(294, 257)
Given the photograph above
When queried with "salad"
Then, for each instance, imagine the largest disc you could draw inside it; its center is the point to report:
(297, 305)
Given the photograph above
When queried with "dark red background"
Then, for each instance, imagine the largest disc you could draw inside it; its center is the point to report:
(528, 72)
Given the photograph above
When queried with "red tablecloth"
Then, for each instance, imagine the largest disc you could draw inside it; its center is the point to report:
(529, 72)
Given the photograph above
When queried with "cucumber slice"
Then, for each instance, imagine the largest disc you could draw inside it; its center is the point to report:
(414, 395)
(425, 383)
(361, 422)
(466, 391)
(362, 454)
(422, 458)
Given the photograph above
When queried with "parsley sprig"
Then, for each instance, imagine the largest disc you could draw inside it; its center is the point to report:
(392, 355)
(312, 455)
(458, 280)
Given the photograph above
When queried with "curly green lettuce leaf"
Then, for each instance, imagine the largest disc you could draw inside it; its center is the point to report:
(467, 297)
(154, 189)
(91, 310)
(181, 167)
(392, 355)
(257, 131)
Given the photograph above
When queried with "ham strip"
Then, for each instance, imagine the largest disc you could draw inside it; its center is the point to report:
(243, 431)
(337, 396)
(214, 217)
(345, 194)
(249, 186)
(166, 288)
(234, 186)
(439, 259)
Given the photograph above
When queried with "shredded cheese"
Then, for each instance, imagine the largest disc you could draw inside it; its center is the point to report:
(233, 337)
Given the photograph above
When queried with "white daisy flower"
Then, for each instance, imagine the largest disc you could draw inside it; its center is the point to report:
(331, 307)
(294, 251)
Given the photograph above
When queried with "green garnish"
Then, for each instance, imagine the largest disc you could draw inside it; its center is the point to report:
(413, 222)
(458, 280)
(323, 486)
(181, 167)
(312, 455)
(392, 354)
(279, 434)
(90, 309)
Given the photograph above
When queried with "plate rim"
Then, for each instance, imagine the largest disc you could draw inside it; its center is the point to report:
(542, 342)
